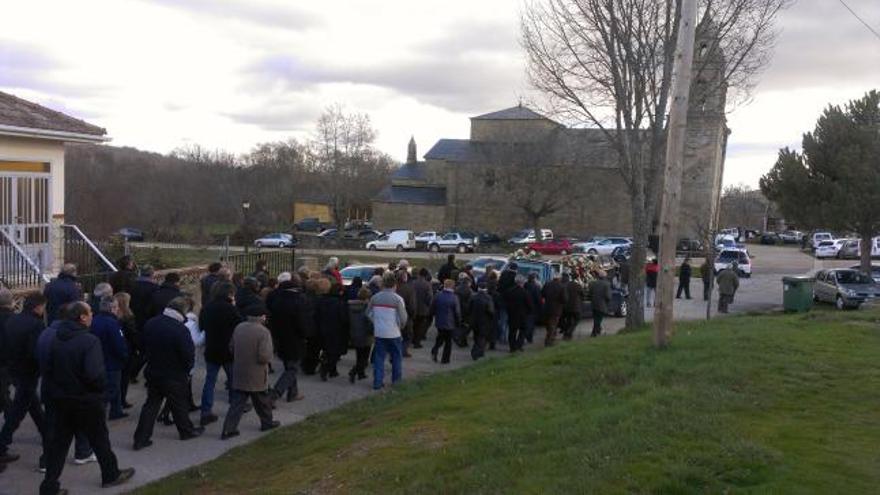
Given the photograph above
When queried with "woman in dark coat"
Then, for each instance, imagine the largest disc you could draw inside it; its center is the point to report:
(361, 333)
(284, 304)
(351, 293)
(331, 317)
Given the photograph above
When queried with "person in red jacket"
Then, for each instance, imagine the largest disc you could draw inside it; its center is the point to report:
(652, 269)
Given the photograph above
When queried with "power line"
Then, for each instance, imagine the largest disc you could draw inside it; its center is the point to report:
(857, 16)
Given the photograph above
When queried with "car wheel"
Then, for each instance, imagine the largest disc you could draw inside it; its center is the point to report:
(399, 248)
(622, 309)
(372, 247)
(462, 248)
(434, 248)
(258, 244)
(593, 252)
(839, 304)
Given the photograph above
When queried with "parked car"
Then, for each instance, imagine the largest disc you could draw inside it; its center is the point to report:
(331, 233)
(740, 256)
(852, 249)
(621, 253)
(363, 234)
(687, 247)
(279, 240)
(479, 265)
(358, 225)
(829, 249)
(131, 234)
(552, 246)
(723, 242)
(365, 272)
(485, 238)
(527, 236)
(845, 288)
(603, 245)
(818, 237)
(875, 271)
(770, 238)
(399, 240)
(311, 225)
(791, 236)
(453, 241)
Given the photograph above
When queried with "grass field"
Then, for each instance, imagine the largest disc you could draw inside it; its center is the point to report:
(753, 404)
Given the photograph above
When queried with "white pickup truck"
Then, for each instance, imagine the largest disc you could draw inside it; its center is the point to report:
(452, 241)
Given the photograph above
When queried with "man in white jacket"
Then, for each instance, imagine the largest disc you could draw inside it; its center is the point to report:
(387, 311)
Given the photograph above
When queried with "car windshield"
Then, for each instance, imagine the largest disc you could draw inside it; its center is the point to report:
(728, 256)
(853, 277)
(482, 262)
(449, 237)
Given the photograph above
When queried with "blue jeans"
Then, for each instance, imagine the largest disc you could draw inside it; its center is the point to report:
(212, 370)
(502, 326)
(394, 348)
(530, 327)
(114, 393)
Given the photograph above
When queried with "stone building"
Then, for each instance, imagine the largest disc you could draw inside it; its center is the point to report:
(468, 184)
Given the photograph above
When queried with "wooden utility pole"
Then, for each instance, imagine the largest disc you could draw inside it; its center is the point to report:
(671, 193)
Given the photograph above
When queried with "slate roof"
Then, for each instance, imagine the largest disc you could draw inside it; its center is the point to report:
(21, 113)
(518, 112)
(409, 171)
(431, 196)
(454, 150)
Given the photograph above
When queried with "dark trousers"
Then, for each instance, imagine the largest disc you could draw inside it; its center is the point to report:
(69, 417)
(25, 402)
(724, 301)
(81, 447)
(569, 323)
(479, 348)
(175, 392)
(287, 381)
(114, 393)
(420, 329)
(515, 334)
(598, 316)
(262, 405)
(529, 330)
(362, 358)
(136, 364)
(444, 339)
(166, 409)
(683, 286)
(5, 382)
(313, 355)
(552, 323)
(705, 290)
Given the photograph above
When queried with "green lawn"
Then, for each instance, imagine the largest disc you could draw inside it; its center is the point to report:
(755, 404)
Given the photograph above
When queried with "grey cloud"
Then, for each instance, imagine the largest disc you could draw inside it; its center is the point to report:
(281, 113)
(287, 17)
(25, 66)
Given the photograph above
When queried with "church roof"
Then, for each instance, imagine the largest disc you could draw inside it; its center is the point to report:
(454, 150)
(431, 196)
(518, 112)
(409, 171)
(22, 115)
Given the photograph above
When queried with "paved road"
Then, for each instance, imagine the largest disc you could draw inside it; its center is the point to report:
(761, 292)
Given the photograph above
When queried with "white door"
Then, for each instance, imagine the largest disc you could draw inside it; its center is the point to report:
(25, 214)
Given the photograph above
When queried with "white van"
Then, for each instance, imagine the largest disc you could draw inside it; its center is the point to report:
(399, 240)
(818, 237)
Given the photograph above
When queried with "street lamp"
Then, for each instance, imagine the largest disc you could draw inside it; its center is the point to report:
(245, 206)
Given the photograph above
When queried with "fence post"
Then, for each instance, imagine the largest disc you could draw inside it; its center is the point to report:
(292, 259)
(226, 249)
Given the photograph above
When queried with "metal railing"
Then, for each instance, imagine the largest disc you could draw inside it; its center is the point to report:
(92, 264)
(277, 261)
(17, 269)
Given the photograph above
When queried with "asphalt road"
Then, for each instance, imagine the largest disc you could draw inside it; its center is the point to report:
(762, 292)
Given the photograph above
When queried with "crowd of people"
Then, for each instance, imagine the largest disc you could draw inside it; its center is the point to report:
(84, 354)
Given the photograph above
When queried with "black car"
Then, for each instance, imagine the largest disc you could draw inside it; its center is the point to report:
(130, 234)
(487, 238)
(770, 238)
(621, 253)
(687, 247)
(310, 225)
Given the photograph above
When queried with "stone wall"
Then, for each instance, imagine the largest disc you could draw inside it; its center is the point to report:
(402, 216)
(702, 175)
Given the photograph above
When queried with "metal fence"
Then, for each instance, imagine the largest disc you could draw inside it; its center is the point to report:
(93, 264)
(277, 261)
(17, 270)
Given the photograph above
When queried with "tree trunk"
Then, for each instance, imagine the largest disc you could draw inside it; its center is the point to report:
(635, 316)
(865, 251)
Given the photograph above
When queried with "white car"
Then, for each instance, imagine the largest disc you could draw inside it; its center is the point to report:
(452, 241)
(604, 246)
(818, 237)
(427, 237)
(399, 240)
(740, 256)
(830, 249)
(527, 236)
(278, 240)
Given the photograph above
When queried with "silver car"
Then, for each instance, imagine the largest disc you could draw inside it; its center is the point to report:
(845, 288)
(278, 240)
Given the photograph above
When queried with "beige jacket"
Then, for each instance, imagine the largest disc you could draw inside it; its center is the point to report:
(252, 347)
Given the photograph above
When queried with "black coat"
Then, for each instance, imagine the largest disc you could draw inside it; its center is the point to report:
(306, 315)
(75, 368)
(464, 293)
(600, 296)
(555, 297)
(506, 281)
(206, 283)
(58, 292)
(360, 327)
(218, 320)
(123, 281)
(331, 318)
(160, 299)
(22, 332)
(169, 349)
(482, 313)
(424, 296)
(519, 306)
(284, 305)
(245, 298)
(5, 314)
(684, 273)
(574, 295)
(142, 300)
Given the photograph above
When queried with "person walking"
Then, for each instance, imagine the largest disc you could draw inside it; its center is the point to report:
(7, 303)
(449, 270)
(599, 291)
(124, 279)
(198, 339)
(519, 306)
(331, 315)
(464, 293)
(76, 385)
(706, 274)
(482, 319)
(108, 329)
(141, 306)
(652, 270)
(208, 281)
(312, 356)
(446, 313)
(424, 297)
(252, 352)
(261, 273)
(728, 284)
(622, 272)
(62, 290)
(406, 291)
(533, 289)
(22, 332)
(285, 311)
(170, 289)
(218, 319)
(170, 357)
(331, 271)
(684, 279)
(100, 291)
(132, 341)
(571, 314)
(555, 298)
(248, 294)
(361, 333)
(506, 281)
(387, 311)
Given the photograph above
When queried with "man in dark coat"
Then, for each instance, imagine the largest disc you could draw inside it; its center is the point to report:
(571, 314)
(141, 305)
(170, 356)
(706, 275)
(248, 294)
(555, 297)
(446, 312)
(208, 281)
(684, 279)
(6, 305)
(424, 296)
(518, 308)
(728, 284)
(331, 318)
(169, 290)
(261, 274)
(62, 290)
(408, 293)
(124, 279)
(218, 320)
(283, 305)
(482, 319)
(108, 329)
(506, 281)
(449, 270)
(600, 296)
(533, 289)
(22, 332)
(76, 382)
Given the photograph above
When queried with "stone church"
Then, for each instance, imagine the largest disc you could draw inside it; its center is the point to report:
(460, 183)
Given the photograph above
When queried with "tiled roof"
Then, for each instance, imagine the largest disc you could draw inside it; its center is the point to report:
(514, 113)
(21, 113)
(409, 171)
(432, 196)
(454, 150)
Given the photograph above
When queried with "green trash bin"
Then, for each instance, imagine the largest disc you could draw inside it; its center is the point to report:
(797, 294)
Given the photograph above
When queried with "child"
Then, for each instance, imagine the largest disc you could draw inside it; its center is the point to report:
(361, 330)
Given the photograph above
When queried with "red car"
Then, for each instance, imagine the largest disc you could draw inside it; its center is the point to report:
(552, 246)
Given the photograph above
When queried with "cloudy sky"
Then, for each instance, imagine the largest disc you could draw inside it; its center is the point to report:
(159, 74)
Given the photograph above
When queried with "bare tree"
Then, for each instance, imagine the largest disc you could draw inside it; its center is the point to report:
(742, 206)
(608, 64)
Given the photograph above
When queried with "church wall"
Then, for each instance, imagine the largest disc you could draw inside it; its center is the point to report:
(510, 130)
(702, 175)
(404, 216)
